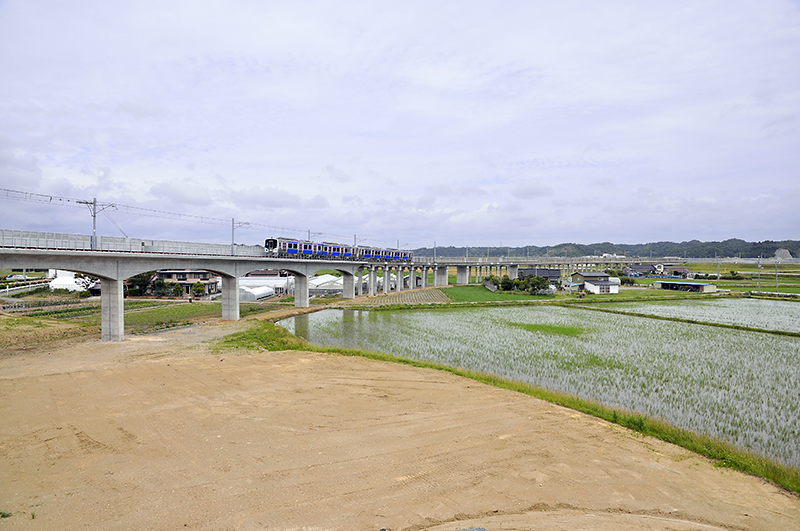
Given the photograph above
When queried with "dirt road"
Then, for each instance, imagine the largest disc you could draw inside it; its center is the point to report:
(158, 432)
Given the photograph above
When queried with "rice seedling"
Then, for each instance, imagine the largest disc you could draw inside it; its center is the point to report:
(745, 312)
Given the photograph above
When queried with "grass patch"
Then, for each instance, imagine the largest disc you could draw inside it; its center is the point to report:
(183, 314)
(481, 294)
(549, 329)
(264, 335)
(268, 336)
(168, 316)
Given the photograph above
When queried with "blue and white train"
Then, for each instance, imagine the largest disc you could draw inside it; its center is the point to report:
(291, 248)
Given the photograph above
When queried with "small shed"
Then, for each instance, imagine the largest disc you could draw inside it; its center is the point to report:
(677, 285)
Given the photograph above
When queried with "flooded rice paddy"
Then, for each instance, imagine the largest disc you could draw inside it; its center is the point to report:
(739, 386)
(750, 313)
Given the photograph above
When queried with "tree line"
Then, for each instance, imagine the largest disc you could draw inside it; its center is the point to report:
(691, 249)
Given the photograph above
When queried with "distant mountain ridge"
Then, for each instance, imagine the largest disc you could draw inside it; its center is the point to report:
(692, 249)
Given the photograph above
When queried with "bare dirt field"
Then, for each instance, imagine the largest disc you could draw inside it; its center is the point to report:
(159, 432)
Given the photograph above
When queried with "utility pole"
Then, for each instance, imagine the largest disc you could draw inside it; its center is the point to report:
(759, 273)
(234, 226)
(776, 275)
(93, 208)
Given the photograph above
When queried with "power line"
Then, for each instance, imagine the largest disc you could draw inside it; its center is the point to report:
(16, 195)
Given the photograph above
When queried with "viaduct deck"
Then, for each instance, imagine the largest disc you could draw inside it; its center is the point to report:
(115, 259)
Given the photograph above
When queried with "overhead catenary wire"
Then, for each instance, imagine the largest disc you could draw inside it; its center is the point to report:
(17, 195)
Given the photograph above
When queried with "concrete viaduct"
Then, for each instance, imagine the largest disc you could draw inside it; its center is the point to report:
(115, 259)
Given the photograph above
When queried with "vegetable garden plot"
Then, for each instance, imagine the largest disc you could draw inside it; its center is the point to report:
(738, 386)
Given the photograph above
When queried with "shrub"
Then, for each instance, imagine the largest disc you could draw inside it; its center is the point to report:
(198, 289)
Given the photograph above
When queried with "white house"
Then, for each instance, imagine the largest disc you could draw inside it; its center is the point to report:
(595, 282)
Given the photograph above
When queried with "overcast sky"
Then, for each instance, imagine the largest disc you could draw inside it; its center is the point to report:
(464, 123)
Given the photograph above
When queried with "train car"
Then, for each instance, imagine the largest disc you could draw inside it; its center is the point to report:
(283, 247)
(296, 248)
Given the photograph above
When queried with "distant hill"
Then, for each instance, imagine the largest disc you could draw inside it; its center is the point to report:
(692, 249)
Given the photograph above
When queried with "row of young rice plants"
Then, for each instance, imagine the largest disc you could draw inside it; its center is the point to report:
(739, 386)
(764, 314)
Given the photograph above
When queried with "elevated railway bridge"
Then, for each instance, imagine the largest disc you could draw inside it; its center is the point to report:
(114, 259)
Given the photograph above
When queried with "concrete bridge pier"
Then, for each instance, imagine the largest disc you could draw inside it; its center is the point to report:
(400, 275)
(230, 298)
(462, 275)
(112, 310)
(360, 281)
(387, 280)
(348, 285)
(373, 281)
(300, 291)
(440, 276)
(513, 271)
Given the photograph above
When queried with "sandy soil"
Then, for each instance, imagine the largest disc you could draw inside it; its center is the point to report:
(158, 432)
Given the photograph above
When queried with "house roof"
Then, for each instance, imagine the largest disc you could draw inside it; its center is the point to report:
(591, 274)
(540, 272)
(685, 283)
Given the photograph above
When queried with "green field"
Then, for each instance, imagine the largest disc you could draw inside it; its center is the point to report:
(481, 294)
(181, 314)
(147, 315)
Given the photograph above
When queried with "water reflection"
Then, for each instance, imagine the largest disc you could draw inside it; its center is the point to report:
(301, 326)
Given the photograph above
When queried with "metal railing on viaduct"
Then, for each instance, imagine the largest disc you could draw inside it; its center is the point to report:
(114, 259)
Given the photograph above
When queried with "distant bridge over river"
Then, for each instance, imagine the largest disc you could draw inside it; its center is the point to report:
(114, 259)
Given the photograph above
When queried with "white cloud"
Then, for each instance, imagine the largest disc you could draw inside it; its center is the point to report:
(181, 193)
(19, 172)
(532, 189)
(440, 121)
